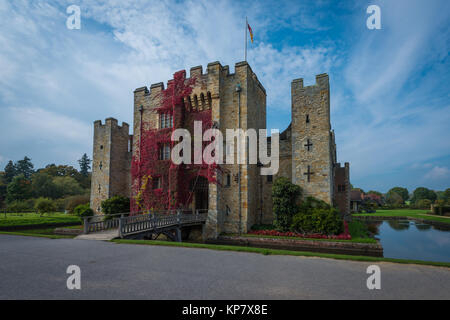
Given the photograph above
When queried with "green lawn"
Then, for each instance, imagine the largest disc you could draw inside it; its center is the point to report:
(411, 213)
(44, 233)
(34, 219)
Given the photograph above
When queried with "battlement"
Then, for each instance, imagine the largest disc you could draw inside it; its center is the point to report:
(112, 123)
(322, 81)
(213, 69)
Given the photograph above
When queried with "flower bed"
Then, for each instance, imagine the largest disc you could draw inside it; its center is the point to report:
(343, 236)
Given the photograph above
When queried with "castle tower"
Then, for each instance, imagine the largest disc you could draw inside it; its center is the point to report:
(111, 162)
(312, 145)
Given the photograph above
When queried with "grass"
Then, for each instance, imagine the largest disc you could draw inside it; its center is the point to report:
(354, 239)
(407, 213)
(280, 252)
(33, 219)
(42, 233)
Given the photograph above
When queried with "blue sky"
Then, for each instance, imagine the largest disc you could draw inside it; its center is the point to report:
(390, 100)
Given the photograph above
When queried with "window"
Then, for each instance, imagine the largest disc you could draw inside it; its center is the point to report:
(228, 180)
(269, 178)
(101, 165)
(157, 183)
(165, 120)
(307, 118)
(164, 152)
(227, 210)
(341, 188)
(101, 147)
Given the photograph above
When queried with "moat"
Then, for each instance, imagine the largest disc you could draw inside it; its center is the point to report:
(405, 239)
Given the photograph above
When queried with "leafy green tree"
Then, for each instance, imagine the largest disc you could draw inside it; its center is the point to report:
(285, 195)
(44, 205)
(18, 189)
(402, 192)
(85, 165)
(67, 186)
(67, 171)
(423, 193)
(374, 192)
(43, 186)
(3, 186)
(423, 203)
(393, 198)
(10, 171)
(446, 196)
(25, 167)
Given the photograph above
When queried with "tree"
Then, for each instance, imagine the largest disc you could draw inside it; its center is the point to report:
(67, 186)
(402, 192)
(446, 196)
(423, 193)
(85, 165)
(3, 186)
(44, 205)
(374, 192)
(25, 167)
(393, 198)
(10, 172)
(18, 189)
(43, 186)
(284, 196)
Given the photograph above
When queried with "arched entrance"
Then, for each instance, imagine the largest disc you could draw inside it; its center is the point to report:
(199, 187)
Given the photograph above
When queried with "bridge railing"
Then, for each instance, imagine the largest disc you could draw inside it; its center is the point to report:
(149, 222)
(141, 221)
(101, 222)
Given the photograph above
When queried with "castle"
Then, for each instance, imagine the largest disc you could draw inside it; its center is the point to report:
(231, 100)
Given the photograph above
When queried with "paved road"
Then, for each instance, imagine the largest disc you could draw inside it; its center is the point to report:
(35, 268)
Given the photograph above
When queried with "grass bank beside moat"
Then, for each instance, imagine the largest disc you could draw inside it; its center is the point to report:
(265, 251)
(405, 213)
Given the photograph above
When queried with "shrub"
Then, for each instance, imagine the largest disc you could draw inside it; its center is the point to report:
(72, 202)
(284, 196)
(116, 204)
(423, 204)
(19, 206)
(83, 210)
(324, 221)
(311, 203)
(44, 205)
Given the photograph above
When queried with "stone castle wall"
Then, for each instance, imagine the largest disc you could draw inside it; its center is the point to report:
(111, 162)
(311, 122)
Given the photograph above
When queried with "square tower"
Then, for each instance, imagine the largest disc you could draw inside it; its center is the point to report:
(111, 162)
(312, 145)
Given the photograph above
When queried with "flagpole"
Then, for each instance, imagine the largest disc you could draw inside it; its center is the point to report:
(245, 30)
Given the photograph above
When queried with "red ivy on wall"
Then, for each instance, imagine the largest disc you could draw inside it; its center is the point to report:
(175, 182)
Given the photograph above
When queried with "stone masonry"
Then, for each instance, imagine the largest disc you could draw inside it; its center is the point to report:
(307, 147)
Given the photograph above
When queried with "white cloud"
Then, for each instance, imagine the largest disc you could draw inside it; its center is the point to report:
(438, 173)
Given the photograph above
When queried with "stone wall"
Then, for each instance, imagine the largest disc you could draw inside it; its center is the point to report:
(111, 162)
(311, 123)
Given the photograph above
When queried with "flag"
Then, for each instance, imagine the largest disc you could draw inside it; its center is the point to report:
(251, 32)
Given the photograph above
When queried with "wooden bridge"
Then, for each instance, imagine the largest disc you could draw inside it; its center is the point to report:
(104, 227)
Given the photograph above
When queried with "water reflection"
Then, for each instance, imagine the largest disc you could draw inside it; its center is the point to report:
(412, 240)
